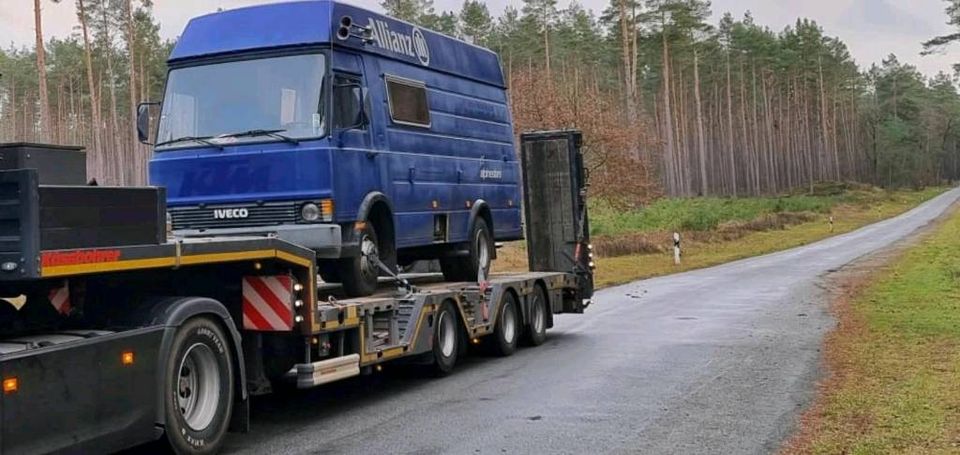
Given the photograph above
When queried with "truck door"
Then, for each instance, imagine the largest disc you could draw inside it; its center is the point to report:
(355, 161)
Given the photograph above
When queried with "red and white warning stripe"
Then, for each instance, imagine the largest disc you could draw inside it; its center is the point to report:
(60, 298)
(268, 303)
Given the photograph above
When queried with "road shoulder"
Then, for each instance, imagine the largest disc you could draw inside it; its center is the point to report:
(885, 370)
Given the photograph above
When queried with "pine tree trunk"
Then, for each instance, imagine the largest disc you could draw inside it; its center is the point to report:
(730, 146)
(44, 100)
(701, 147)
(96, 155)
(672, 179)
(629, 73)
(139, 163)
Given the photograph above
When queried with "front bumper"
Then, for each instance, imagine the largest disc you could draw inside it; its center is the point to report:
(325, 239)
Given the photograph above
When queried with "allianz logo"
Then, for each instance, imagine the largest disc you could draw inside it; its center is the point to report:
(229, 214)
(412, 45)
(490, 174)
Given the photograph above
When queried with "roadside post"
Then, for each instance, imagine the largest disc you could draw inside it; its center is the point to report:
(676, 248)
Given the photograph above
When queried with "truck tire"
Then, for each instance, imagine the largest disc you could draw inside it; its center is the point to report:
(507, 330)
(536, 332)
(198, 388)
(359, 274)
(477, 262)
(446, 340)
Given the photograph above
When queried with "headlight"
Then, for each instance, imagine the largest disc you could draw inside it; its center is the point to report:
(310, 212)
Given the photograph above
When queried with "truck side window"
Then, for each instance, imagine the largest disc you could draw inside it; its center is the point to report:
(408, 102)
(348, 94)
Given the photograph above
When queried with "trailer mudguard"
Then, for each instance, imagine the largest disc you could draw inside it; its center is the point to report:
(171, 313)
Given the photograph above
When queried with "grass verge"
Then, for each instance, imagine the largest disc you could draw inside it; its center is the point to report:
(894, 358)
(736, 238)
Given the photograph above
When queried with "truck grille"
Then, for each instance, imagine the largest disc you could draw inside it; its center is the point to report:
(268, 214)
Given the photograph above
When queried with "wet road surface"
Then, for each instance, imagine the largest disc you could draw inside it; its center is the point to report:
(718, 360)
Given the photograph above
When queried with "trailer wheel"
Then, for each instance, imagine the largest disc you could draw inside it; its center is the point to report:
(446, 340)
(198, 388)
(536, 332)
(507, 330)
(475, 266)
(359, 274)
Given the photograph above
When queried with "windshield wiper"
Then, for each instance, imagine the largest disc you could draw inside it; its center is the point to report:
(205, 140)
(269, 133)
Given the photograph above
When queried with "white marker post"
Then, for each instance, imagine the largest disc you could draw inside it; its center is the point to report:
(676, 248)
(831, 223)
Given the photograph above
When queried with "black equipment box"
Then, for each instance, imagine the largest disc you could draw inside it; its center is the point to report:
(555, 202)
(57, 164)
(36, 218)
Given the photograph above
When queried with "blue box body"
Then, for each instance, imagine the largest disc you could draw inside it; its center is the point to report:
(421, 172)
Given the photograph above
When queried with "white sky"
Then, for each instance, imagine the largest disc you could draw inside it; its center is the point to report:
(871, 28)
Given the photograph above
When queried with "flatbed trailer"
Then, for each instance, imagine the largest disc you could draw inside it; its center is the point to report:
(107, 347)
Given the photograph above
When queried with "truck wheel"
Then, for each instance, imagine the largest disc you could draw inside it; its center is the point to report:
(536, 332)
(359, 274)
(507, 330)
(198, 388)
(446, 340)
(475, 266)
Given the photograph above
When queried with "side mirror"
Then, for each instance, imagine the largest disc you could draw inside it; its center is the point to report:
(143, 121)
(354, 110)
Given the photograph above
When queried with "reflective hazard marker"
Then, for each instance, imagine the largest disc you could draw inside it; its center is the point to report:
(268, 303)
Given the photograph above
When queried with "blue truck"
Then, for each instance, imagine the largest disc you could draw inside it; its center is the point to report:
(362, 137)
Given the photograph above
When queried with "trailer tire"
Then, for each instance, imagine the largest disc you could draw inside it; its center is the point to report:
(476, 264)
(198, 388)
(446, 340)
(536, 332)
(507, 330)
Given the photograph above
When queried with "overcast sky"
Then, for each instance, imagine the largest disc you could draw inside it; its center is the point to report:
(871, 28)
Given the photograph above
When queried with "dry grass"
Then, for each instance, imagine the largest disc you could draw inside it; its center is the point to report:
(650, 254)
(894, 358)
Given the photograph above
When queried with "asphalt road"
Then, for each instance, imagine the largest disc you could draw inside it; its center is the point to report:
(719, 360)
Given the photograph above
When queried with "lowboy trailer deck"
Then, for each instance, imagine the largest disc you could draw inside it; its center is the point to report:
(110, 342)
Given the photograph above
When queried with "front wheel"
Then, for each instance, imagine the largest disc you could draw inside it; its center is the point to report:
(359, 274)
(475, 266)
(198, 388)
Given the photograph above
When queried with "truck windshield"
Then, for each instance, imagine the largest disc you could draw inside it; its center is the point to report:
(215, 102)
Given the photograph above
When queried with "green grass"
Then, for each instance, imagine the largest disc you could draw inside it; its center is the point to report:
(897, 359)
(850, 210)
(704, 214)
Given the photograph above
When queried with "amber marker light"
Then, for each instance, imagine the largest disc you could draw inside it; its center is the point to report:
(10, 385)
(127, 358)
